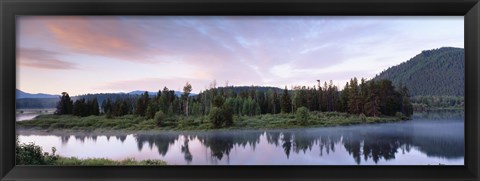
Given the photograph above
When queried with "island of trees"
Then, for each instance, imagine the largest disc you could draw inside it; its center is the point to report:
(235, 107)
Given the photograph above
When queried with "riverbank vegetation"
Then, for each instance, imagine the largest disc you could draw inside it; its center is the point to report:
(181, 122)
(235, 107)
(426, 103)
(31, 154)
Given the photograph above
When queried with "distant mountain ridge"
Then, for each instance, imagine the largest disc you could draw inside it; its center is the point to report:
(26, 100)
(238, 89)
(139, 92)
(22, 95)
(437, 72)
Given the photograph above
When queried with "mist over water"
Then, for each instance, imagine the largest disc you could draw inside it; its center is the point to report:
(430, 138)
(28, 114)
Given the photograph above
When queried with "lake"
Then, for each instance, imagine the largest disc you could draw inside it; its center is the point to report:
(431, 138)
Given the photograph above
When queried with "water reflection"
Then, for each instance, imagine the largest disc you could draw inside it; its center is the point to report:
(186, 152)
(442, 140)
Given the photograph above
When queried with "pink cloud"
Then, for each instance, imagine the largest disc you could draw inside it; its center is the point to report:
(43, 59)
(104, 36)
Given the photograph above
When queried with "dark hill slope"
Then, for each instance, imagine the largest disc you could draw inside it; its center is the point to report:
(437, 72)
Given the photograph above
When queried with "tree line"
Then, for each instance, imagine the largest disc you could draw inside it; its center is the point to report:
(220, 104)
(423, 103)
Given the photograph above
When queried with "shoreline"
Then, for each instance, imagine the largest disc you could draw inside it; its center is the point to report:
(132, 124)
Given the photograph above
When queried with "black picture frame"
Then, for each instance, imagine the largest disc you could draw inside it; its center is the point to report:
(9, 9)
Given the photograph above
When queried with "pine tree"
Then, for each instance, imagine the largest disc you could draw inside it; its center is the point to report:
(407, 108)
(65, 105)
(142, 103)
(372, 102)
(353, 100)
(345, 96)
(286, 102)
(363, 95)
(95, 108)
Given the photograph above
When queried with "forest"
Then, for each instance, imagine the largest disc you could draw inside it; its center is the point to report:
(219, 105)
(437, 72)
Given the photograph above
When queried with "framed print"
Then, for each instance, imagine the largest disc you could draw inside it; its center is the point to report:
(239, 90)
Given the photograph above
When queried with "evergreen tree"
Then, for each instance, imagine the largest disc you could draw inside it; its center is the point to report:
(372, 102)
(345, 96)
(363, 95)
(79, 108)
(95, 108)
(65, 105)
(108, 108)
(353, 100)
(218, 101)
(151, 110)
(142, 103)
(407, 108)
(227, 114)
(286, 102)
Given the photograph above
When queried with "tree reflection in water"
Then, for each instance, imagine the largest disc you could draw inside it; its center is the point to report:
(368, 143)
(161, 141)
(186, 151)
(287, 143)
(440, 138)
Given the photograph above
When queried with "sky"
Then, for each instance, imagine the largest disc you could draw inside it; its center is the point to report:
(104, 54)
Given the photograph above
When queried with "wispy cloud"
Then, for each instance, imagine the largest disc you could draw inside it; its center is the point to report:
(244, 50)
(43, 59)
(104, 36)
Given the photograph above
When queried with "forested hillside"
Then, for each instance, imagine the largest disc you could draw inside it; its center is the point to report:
(437, 72)
(36, 103)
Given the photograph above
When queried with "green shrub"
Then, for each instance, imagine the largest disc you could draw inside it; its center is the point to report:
(109, 114)
(216, 117)
(159, 117)
(31, 154)
(184, 122)
(362, 118)
(302, 115)
(401, 116)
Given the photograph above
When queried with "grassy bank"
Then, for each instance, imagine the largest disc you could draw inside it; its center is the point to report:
(133, 123)
(72, 161)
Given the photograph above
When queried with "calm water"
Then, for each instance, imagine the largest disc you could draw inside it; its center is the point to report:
(430, 138)
(27, 114)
